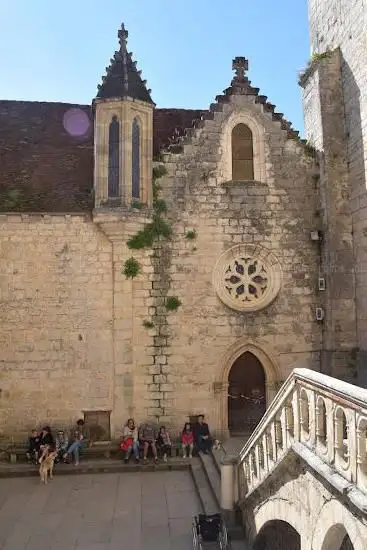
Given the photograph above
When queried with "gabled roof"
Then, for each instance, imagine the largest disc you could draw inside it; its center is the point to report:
(122, 78)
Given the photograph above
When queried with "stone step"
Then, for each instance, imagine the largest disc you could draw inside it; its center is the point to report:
(213, 475)
(204, 491)
(217, 457)
(95, 466)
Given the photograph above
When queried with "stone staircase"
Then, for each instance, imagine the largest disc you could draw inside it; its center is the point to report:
(205, 471)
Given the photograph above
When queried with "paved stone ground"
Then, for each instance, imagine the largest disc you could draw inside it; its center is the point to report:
(130, 511)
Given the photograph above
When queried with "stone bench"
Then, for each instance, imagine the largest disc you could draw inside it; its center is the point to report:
(110, 449)
(17, 453)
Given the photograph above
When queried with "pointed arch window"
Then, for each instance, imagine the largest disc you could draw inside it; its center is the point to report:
(242, 153)
(113, 158)
(135, 160)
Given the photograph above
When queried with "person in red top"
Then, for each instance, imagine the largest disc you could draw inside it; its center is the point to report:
(187, 440)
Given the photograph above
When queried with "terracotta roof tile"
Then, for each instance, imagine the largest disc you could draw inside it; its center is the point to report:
(46, 153)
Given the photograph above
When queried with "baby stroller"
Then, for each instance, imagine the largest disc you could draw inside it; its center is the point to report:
(209, 532)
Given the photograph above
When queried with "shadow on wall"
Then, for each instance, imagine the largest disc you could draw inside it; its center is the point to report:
(357, 179)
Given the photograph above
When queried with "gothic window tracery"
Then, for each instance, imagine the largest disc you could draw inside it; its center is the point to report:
(135, 160)
(247, 277)
(113, 158)
(242, 153)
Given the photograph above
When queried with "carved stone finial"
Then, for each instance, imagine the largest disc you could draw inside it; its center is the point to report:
(123, 35)
(240, 66)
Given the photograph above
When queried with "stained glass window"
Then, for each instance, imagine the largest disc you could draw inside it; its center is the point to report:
(114, 158)
(136, 160)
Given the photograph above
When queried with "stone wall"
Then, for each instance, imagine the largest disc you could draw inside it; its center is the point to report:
(73, 328)
(276, 213)
(55, 320)
(341, 23)
(338, 269)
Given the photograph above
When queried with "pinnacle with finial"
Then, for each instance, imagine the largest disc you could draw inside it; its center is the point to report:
(123, 36)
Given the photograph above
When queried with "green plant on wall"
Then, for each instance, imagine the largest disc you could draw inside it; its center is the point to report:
(158, 227)
(172, 303)
(191, 235)
(131, 268)
(310, 150)
(148, 324)
(313, 62)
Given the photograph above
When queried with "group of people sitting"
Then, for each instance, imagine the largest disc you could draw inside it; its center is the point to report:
(40, 444)
(159, 441)
(147, 437)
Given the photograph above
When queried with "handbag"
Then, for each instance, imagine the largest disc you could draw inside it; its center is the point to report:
(126, 444)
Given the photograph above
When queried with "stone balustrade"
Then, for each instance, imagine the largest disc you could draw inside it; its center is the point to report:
(325, 415)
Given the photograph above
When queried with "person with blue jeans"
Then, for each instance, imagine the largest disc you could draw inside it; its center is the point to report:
(130, 442)
(78, 442)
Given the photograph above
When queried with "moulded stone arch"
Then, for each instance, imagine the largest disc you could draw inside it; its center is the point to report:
(268, 362)
(281, 510)
(326, 534)
(258, 141)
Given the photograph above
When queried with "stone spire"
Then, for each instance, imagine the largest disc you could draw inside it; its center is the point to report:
(122, 78)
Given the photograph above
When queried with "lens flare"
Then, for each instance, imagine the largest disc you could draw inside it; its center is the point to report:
(76, 122)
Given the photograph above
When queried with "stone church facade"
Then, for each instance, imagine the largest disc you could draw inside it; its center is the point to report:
(162, 263)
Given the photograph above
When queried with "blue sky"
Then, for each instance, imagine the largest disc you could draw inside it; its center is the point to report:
(58, 51)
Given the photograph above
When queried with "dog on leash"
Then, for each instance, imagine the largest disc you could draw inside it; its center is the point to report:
(46, 466)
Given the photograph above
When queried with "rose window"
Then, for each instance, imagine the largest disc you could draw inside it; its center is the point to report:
(247, 277)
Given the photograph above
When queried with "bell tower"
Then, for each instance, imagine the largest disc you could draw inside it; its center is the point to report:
(123, 133)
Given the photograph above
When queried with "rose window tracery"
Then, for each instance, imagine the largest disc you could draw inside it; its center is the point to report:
(247, 277)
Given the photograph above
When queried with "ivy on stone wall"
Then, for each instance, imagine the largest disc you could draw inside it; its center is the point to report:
(152, 232)
(158, 227)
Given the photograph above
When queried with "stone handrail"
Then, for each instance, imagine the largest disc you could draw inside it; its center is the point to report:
(321, 414)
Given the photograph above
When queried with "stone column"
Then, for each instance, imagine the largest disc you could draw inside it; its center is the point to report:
(228, 478)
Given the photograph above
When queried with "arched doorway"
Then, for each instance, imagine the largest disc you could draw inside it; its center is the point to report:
(246, 394)
(278, 534)
(337, 538)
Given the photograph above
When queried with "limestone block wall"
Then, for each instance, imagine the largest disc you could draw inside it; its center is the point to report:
(56, 352)
(310, 506)
(276, 213)
(343, 23)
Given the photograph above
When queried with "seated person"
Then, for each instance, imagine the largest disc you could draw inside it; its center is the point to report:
(164, 443)
(187, 440)
(202, 436)
(78, 440)
(33, 447)
(47, 442)
(130, 442)
(62, 443)
(147, 435)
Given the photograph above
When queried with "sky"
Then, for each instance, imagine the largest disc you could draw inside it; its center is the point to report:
(58, 51)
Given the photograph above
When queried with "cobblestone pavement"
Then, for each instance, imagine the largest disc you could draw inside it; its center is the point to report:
(129, 511)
